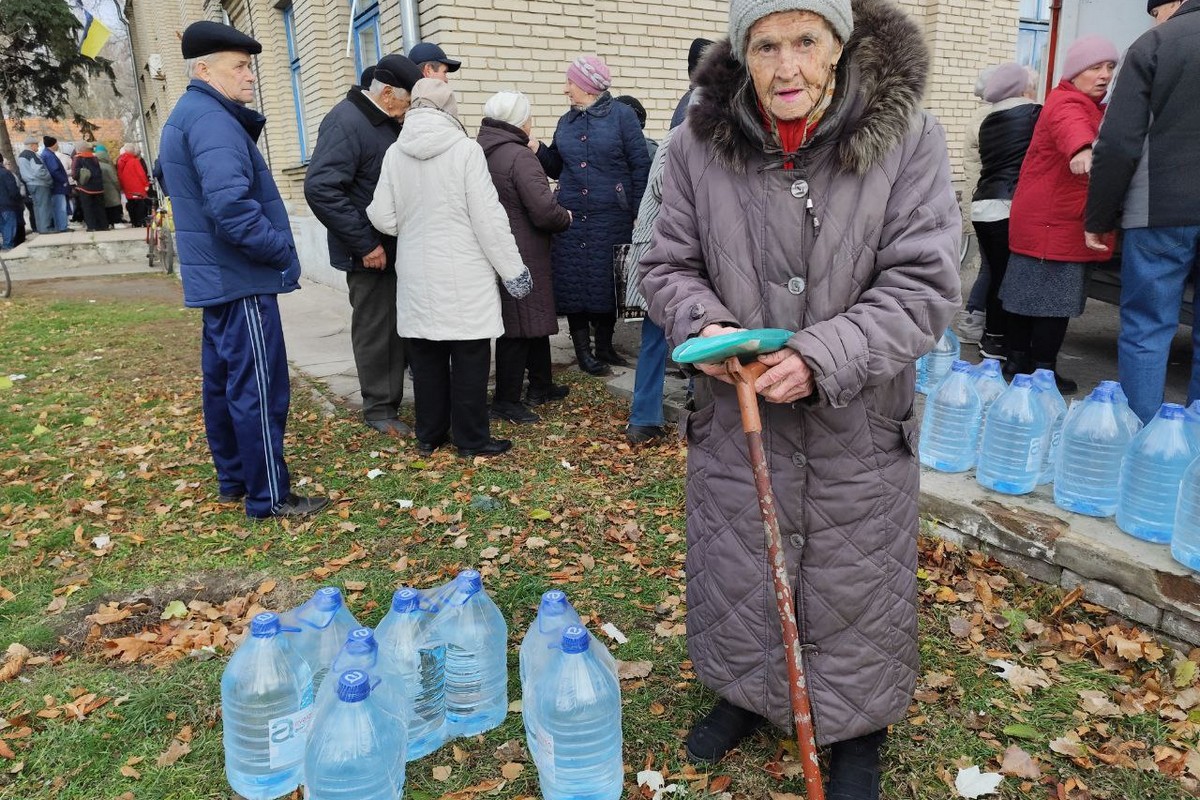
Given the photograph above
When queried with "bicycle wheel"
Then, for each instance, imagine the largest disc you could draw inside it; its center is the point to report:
(168, 251)
(5, 281)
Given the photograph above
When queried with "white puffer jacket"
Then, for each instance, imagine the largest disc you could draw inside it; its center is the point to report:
(453, 238)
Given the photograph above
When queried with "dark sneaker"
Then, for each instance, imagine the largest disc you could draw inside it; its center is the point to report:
(555, 392)
(721, 731)
(643, 434)
(390, 427)
(513, 412)
(231, 497)
(297, 506)
(494, 447)
(426, 448)
(992, 346)
(611, 356)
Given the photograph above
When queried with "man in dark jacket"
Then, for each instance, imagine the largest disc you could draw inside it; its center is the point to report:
(11, 206)
(1144, 160)
(38, 184)
(236, 254)
(339, 185)
(60, 188)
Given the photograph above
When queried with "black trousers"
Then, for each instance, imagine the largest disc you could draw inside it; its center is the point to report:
(516, 355)
(450, 390)
(112, 214)
(583, 320)
(378, 349)
(93, 211)
(993, 242)
(1041, 337)
(138, 210)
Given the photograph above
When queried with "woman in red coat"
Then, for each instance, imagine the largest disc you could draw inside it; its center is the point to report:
(135, 184)
(1046, 281)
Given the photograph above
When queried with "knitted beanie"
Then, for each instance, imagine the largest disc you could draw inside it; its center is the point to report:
(1008, 80)
(744, 13)
(590, 73)
(1088, 52)
(510, 107)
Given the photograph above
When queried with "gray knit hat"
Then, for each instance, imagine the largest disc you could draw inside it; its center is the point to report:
(744, 13)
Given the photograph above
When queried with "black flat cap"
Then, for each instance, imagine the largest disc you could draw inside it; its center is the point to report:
(367, 76)
(398, 71)
(428, 51)
(203, 38)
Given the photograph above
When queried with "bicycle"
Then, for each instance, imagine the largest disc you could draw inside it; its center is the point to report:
(160, 241)
(5, 280)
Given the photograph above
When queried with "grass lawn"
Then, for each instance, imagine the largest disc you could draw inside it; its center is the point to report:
(108, 514)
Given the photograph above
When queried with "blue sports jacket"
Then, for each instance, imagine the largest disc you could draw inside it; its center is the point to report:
(231, 228)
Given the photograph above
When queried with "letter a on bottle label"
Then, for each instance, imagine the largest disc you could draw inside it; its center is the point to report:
(287, 737)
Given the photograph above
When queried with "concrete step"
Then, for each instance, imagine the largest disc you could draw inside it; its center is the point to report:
(60, 251)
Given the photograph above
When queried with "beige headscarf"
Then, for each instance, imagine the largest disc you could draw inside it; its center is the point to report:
(433, 93)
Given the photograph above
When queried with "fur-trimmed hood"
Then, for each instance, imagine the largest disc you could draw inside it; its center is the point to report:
(880, 81)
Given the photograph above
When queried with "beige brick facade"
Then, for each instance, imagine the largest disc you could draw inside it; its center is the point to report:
(523, 44)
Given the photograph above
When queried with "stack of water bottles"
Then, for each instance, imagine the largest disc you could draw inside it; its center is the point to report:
(344, 720)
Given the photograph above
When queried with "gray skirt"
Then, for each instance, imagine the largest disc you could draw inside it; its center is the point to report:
(1036, 288)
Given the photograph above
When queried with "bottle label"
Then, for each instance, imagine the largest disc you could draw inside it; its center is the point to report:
(1035, 455)
(287, 735)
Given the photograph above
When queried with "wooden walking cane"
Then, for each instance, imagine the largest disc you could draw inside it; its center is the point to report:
(730, 348)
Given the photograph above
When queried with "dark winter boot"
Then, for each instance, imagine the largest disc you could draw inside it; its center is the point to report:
(1019, 363)
(1064, 384)
(854, 768)
(722, 730)
(582, 339)
(604, 345)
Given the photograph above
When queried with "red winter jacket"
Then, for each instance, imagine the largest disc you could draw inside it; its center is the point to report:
(1047, 209)
(134, 180)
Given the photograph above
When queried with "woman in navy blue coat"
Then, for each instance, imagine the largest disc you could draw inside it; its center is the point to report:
(599, 157)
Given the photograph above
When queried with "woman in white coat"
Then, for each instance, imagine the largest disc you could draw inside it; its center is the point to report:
(453, 239)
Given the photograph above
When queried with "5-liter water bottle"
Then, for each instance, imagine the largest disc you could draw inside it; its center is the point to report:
(990, 383)
(950, 428)
(1151, 475)
(579, 708)
(1056, 412)
(361, 653)
(1193, 419)
(1185, 541)
(476, 640)
(1094, 440)
(324, 622)
(1010, 458)
(922, 367)
(939, 361)
(403, 637)
(1132, 421)
(356, 751)
(266, 708)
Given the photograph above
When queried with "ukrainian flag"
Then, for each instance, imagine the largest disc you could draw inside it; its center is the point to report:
(94, 36)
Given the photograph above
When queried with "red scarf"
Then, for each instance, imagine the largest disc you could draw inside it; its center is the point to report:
(793, 133)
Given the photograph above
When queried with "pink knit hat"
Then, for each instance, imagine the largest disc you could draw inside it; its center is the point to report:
(1088, 52)
(590, 73)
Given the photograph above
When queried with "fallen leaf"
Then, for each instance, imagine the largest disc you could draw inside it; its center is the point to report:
(539, 513)
(973, 783)
(1069, 745)
(1184, 674)
(1019, 764)
(441, 773)
(512, 750)
(1023, 679)
(175, 751)
(960, 627)
(14, 661)
(1098, 704)
(719, 783)
(1021, 731)
(628, 670)
(174, 610)
(130, 772)
(511, 770)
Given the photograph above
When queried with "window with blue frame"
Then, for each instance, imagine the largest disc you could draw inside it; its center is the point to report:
(289, 27)
(1033, 36)
(367, 44)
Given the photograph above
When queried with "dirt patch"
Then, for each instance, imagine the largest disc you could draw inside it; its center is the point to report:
(161, 289)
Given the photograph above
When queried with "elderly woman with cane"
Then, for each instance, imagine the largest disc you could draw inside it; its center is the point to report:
(808, 191)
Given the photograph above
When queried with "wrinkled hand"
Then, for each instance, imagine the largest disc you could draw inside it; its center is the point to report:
(717, 371)
(376, 259)
(534, 144)
(789, 378)
(1095, 242)
(1081, 164)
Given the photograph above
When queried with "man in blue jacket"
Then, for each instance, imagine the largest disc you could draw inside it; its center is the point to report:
(60, 187)
(236, 255)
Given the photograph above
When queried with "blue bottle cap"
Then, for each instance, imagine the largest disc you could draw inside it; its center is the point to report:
(361, 635)
(961, 366)
(989, 367)
(554, 603)
(1102, 394)
(406, 601)
(353, 686)
(265, 625)
(574, 639)
(470, 581)
(1022, 381)
(1171, 411)
(328, 598)
(1043, 379)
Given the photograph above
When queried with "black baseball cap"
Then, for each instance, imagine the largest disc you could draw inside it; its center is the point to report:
(428, 51)
(205, 37)
(397, 71)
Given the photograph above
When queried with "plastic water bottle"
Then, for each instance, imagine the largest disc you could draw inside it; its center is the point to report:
(1152, 473)
(1010, 458)
(1185, 541)
(267, 710)
(403, 637)
(1094, 440)
(950, 428)
(361, 653)
(579, 705)
(989, 382)
(1193, 419)
(476, 639)
(939, 360)
(324, 622)
(922, 367)
(1056, 412)
(1132, 421)
(356, 751)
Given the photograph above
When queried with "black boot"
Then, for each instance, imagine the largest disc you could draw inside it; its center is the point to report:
(722, 730)
(604, 345)
(582, 339)
(1064, 384)
(854, 768)
(1019, 363)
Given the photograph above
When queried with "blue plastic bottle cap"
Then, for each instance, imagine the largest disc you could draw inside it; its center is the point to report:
(365, 635)
(405, 601)
(554, 602)
(1022, 381)
(1171, 411)
(328, 598)
(961, 366)
(265, 625)
(470, 581)
(574, 639)
(1102, 394)
(353, 686)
